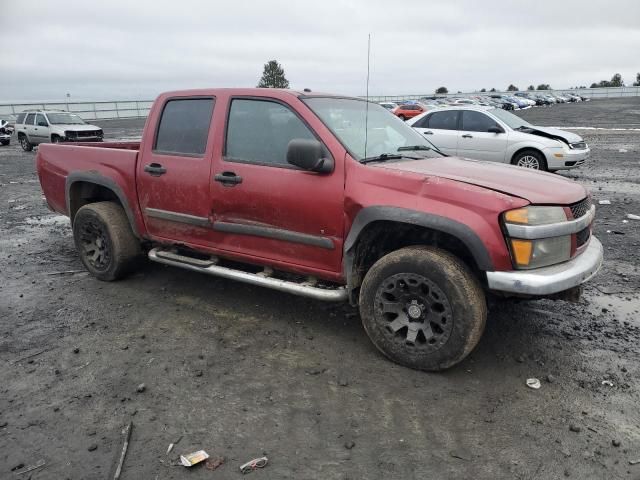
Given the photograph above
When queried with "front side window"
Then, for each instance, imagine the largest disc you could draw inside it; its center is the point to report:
(446, 120)
(259, 131)
(423, 122)
(30, 119)
(184, 127)
(41, 121)
(368, 131)
(476, 122)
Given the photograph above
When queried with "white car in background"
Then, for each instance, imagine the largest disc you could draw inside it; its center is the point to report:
(493, 134)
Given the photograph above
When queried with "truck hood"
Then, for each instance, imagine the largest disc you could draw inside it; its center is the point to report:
(536, 187)
(76, 127)
(554, 133)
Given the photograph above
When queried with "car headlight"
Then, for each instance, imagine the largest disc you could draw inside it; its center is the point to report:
(541, 252)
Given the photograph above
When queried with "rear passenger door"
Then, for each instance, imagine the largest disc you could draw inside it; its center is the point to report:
(441, 129)
(267, 208)
(29, 126)
(477, 142)
(174, 172)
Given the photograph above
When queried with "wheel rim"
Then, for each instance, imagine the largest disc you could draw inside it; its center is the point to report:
(414, 312)
(529, 161)
(23, 142)
(95, 245)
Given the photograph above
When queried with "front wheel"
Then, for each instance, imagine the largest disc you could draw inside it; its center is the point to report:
(104, 239)
(5, 143)
(530, 159)
(25, 143)
(422, 308)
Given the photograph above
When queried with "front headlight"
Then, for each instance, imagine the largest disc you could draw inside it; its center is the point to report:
(541, 252)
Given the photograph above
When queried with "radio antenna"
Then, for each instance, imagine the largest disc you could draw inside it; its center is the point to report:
(366, 112)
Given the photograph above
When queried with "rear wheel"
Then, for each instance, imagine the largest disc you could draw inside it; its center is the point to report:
(530, 159)
(25, 143)
(104, 239)
(422, 308)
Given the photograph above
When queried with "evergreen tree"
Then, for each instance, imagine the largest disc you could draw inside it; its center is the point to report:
(442, 90)
(273, 76)
(512, 88)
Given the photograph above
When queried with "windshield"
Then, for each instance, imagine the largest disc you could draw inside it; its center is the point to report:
(385, 133)
(64, 119)
(512, 121)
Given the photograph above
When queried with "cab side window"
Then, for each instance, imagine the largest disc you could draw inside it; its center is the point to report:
(184, 127)
(259, 132)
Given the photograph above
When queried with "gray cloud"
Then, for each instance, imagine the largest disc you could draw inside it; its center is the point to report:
(118, 49)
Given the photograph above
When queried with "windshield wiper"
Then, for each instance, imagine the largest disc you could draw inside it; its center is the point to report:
(413, 147)
(384, 157)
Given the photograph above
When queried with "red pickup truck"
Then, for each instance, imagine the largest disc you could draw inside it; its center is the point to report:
(328, 197)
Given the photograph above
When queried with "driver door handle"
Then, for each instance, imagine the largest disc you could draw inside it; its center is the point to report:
(428, 132)
(466, 135)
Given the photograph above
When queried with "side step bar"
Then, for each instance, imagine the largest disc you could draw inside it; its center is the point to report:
(260, 279)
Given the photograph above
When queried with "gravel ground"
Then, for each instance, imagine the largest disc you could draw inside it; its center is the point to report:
(241, 371)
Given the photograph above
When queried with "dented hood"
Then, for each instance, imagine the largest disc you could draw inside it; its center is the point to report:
(549, 132)
(536, 187)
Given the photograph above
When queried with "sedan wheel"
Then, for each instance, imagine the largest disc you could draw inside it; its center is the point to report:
(529, 161)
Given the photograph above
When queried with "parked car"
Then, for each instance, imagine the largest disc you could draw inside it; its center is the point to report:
(53, 126)
(495, 135)
(408, 110)
(388, 105)
(309, 199)
(6, 130)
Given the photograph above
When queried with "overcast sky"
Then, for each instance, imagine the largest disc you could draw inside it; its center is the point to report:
(119, 49)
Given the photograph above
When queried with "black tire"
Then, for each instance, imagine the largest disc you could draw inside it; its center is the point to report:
(55, 139)
(530, 159)
(105, 242)
(25, 144)
(423, 308)
(4, 144)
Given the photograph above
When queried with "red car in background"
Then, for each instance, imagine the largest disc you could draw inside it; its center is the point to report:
(408, 110)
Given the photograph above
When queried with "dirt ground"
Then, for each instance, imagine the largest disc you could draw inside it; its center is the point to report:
(242, 372)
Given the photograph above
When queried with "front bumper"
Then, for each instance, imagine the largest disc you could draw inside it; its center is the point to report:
(569, 159)
(552, 279)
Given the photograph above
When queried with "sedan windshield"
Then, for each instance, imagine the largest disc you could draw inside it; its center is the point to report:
(64, 119)
(377, 133)
(512, 121)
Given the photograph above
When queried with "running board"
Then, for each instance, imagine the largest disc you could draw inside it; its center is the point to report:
(260, 279)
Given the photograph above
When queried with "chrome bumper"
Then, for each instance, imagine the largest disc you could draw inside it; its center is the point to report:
(553, 279)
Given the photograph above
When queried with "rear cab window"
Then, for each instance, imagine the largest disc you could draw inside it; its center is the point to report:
(20, 118)
(183, 129)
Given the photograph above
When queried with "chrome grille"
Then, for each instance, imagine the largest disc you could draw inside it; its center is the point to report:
(581, 208)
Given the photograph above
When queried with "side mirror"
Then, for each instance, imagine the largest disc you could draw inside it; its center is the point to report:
(495, 129)
(43, 124)
(309, 155)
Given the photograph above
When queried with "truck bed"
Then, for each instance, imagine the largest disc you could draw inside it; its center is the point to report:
(107, 163)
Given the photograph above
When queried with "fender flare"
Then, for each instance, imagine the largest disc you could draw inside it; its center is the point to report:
(96, 178)
(428, 220)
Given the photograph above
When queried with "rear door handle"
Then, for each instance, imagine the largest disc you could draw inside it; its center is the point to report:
(228, 179)
(428, 132)
(466, 135)
(155, 169)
